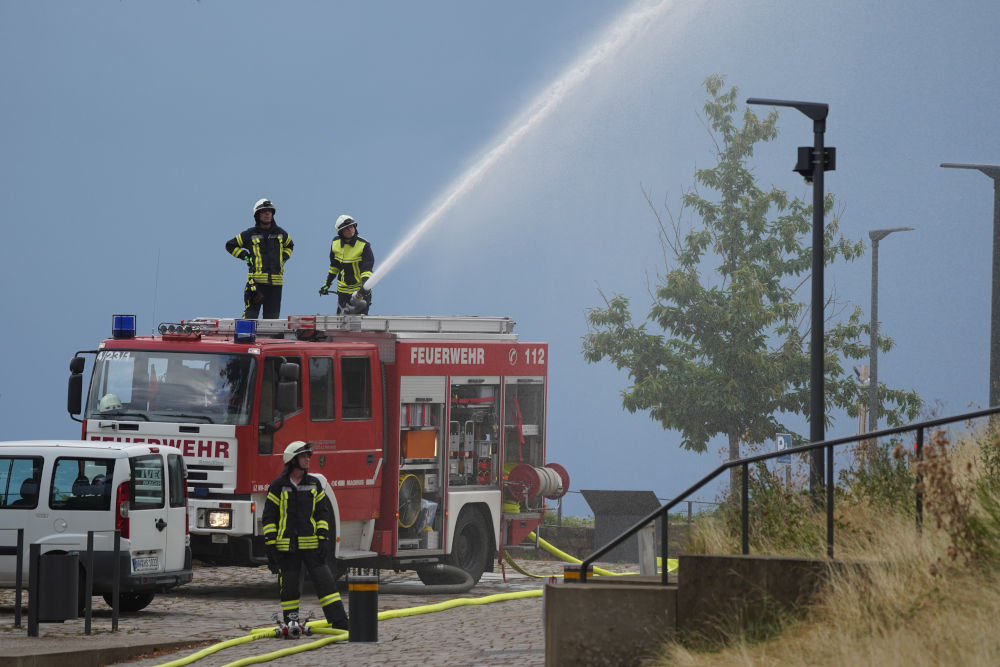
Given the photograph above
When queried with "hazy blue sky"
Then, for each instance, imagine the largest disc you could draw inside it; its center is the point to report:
(136, 137)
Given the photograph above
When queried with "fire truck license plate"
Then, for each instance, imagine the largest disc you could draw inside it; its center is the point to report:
(145, 564)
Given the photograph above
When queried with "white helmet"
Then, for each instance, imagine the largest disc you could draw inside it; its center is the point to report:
(345, 221)
(294, 449)
(109, 402)
(263, 205)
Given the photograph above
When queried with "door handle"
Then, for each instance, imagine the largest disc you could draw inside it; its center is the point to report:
(160, 524)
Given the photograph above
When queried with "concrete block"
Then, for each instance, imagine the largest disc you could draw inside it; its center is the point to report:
(720, 597)
(606, 624)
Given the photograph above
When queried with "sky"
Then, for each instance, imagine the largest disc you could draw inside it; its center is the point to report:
(137, 136)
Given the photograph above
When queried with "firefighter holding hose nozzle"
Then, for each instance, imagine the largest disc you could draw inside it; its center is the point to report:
(297, 517)
(351, 264)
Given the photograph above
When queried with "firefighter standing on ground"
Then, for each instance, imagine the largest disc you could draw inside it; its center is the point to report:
(297, 517)
(265, 248)
(351, 264)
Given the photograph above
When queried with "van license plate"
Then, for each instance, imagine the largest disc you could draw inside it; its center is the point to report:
(146, 564)
(220, 538)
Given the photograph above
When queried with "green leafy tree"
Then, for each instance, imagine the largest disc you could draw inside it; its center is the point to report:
(724, 348)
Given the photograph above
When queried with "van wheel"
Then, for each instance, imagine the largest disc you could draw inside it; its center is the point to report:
(470, 550)
(129, 603)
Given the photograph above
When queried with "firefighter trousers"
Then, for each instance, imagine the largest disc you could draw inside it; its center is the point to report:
(291, 564)
(256, 295)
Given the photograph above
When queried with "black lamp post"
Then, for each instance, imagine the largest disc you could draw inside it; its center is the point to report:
(811, 164)
(993, 171)
(875, 235)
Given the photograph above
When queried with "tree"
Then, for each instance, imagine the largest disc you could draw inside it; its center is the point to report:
(733, 358)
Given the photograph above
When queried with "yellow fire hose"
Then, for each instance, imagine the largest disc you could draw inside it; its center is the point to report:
(321, 627)
(562, 555)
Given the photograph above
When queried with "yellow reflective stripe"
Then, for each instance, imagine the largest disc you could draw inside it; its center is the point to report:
(273, 498)
(283, 517)
(322, 525)
(270, 528)
(289, 605)
(327, 599)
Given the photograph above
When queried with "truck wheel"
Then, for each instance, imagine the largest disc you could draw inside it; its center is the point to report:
(469, 551)
(130, 602)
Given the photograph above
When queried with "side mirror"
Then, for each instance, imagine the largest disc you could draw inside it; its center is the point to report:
(287, 398)
(76, 365)
(289, 371)
(74, 393)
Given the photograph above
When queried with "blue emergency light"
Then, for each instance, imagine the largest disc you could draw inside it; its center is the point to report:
(246, 331)
(123, 326)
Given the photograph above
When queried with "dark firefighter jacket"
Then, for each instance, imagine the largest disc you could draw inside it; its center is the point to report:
(296, 516)
(268, 249)
(351, 263)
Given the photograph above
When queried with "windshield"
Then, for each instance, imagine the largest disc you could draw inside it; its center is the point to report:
(144, 385)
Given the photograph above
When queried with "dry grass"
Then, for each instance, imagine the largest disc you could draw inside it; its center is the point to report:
(926, 598)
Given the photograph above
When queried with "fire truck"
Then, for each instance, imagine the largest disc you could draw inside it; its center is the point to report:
(429, 431)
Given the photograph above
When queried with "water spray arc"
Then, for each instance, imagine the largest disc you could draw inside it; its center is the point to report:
(632, 21)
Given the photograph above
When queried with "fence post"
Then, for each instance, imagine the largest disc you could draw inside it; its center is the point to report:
(745, 520)
(19, 578)
(664, 547)
(920, 494)
(88, 584)
(34, 556)
(829, 501)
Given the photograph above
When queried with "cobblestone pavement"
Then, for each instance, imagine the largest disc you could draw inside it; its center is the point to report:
(224, 603)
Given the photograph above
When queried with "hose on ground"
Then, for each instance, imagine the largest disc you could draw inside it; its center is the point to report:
(464, 585)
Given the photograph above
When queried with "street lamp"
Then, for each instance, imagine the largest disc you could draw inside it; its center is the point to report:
(811, 164)
(876, 235)
(993, 171)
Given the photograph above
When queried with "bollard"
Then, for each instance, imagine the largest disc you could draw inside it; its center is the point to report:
(571, 573)
(363, 599)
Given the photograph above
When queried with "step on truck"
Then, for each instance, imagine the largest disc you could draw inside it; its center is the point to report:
(430, 432)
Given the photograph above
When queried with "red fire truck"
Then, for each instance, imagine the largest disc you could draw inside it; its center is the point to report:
(430, 431)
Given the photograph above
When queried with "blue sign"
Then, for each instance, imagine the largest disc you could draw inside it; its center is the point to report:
(784, 441)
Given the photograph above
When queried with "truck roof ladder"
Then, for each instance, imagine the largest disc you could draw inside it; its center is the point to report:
(402, 326)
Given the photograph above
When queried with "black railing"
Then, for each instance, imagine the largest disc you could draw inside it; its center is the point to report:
(663, 512)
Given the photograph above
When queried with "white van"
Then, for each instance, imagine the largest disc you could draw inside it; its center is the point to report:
(58, 490)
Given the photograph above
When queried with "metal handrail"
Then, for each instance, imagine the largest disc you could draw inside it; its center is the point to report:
(663, 511)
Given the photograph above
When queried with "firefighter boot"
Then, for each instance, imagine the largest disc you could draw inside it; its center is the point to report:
(336, 616)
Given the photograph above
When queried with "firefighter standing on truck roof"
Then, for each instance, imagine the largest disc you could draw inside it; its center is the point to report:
(297, 517)
(265, 248)
(351, 263)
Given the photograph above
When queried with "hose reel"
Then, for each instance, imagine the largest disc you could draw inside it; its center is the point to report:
(525, 482)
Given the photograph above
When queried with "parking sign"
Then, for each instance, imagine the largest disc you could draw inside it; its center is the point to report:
(783, 441)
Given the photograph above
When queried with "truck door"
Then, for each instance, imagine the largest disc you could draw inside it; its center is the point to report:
(150, 514)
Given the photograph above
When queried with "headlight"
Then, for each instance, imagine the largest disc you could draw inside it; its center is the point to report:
(220, 519)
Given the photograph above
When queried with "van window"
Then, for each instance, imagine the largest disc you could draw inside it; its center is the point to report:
(356, 378)
(19, 479)
(175, 463)
(81, 483)
(147, 482)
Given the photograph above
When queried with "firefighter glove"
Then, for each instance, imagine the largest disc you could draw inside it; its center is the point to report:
(364, 293)
(272, 558)
(325, 289)
(248, 258)
(324, 549)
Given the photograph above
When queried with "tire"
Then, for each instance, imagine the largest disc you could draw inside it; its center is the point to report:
(470, 549)
(129, 603)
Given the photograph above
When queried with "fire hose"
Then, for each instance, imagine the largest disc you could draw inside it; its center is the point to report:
(334, 635)
(322, 627)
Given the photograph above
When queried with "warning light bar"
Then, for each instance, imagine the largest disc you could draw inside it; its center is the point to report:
(123, 326)
(174, 331)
